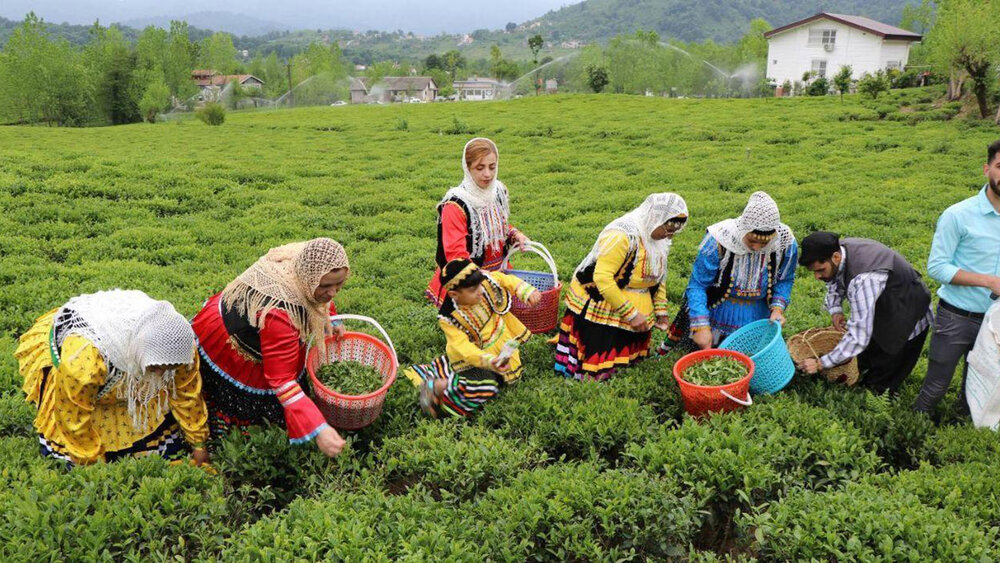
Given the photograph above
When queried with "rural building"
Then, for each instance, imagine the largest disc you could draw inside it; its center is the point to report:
(477, 89)
(211, 83)
(825, 42)
(393, 89)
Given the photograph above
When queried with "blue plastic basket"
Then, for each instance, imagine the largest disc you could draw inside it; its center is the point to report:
(762, 341)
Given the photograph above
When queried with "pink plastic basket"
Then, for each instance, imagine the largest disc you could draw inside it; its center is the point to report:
(349, 412)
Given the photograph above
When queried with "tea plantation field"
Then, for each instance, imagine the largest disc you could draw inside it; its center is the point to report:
(554, 470)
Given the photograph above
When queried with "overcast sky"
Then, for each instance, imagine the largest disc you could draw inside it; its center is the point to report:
(419, 16)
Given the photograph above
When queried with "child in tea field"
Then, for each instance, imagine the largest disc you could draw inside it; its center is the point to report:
(253, 336)
(618, 292)
(478, 325)
(114, 374)
(743, 273)
(473, 217)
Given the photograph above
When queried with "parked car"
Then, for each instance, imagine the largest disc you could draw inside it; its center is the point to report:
(339, 103)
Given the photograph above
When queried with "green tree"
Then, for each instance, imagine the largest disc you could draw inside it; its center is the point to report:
(535, 43)
(218, 53)
(118, 81)
(874, 84)
(443, 80)
(842, 80)
(753, 46)
(155, 99)
(178, 61)
(453, 61)
(918, 19)
(597, 78)
(501, 68)
(42, 80)
(964, 39)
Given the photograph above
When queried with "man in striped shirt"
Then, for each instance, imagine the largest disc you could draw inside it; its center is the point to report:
(890, 307)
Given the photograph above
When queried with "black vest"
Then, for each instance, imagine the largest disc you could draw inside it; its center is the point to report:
(903, 302)
(440, 257)
(241, 332)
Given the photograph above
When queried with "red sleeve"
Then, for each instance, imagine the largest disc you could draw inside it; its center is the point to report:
(454, 232)
(283, 356)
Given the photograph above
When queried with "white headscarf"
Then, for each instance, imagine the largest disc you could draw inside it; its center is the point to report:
(489, 208)
(760, 214)
(638, 225)
(132, 332)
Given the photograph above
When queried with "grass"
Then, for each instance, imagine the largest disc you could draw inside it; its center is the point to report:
(179, 209)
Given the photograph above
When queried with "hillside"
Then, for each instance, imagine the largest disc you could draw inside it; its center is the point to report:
(694, 20)
(236, 24)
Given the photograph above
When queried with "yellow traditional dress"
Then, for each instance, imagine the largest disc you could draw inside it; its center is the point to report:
(622, 277)
(81, 421)
(475, 335)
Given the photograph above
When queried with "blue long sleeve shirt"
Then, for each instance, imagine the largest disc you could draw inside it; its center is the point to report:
(967, 238)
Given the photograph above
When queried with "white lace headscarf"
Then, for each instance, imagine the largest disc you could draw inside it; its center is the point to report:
(489, 208)
(638, 225)
(132, 332)
(286, 278)
(760, 214)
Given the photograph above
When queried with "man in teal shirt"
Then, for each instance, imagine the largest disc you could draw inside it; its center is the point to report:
(965, 260)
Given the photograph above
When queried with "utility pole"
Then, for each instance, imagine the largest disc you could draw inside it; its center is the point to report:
(291, 97)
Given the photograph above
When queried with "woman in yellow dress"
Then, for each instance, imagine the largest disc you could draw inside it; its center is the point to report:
(114, 374)
(618, 292)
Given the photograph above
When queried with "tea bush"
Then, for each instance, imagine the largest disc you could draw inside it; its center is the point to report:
(570, 419)
(571, 512)
(142, 510)
(741, 460)
(452, 458)
(865, 523)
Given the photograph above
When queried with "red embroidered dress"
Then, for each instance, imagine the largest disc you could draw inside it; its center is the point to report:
(253, 375)
(455, 242)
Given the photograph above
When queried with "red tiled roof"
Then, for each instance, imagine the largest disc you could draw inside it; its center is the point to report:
(220, 80)
(883, 30)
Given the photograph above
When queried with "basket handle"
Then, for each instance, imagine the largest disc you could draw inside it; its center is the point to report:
(373, 322)
(539, 249)
(745, 403)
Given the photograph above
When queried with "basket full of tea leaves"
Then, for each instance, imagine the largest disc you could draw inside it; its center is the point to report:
(349, 378)
(715, 372)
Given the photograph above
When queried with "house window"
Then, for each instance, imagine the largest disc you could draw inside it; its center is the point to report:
(894, 65)
(820, 37)
(819, 68)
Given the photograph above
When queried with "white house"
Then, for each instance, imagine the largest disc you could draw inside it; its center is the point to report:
(825, 42)
(477, 89)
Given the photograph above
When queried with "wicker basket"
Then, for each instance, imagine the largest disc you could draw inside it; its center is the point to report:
(543, 317)
(816, 342)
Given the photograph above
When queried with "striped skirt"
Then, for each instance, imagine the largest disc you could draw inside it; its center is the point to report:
(466, 391)
(588, 351)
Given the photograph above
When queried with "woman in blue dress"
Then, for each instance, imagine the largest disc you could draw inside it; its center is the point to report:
(743, 273)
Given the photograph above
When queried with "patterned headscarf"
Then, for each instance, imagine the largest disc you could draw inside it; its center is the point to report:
(286, 278)
(760, 215)
(132, 332)
(489, 208)
(638, 225)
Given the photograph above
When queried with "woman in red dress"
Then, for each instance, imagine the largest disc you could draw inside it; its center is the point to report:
(473, 217)
(253, 337)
